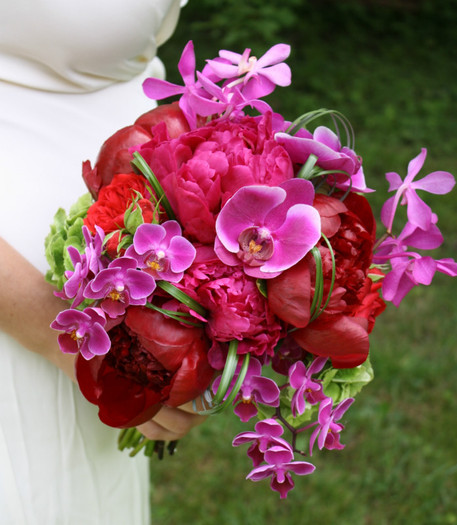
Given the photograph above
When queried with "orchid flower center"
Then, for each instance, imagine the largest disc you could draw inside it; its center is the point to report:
(256, 245)
(157, 261)
(117, 294)
(246, 64)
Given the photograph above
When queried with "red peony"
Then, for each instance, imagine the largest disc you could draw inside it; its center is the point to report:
(153, 361)
(115, 156)
(341, 331)
(201, 169)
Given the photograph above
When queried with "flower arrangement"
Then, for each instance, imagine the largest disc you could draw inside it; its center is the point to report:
(231, 259)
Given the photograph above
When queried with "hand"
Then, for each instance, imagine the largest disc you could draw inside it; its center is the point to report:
(171, 424)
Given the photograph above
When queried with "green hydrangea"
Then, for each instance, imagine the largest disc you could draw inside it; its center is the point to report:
(66, 230)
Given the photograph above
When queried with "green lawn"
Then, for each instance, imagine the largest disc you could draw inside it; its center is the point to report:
(393, 72)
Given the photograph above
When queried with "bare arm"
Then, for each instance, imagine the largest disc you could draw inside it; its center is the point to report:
(28, 306)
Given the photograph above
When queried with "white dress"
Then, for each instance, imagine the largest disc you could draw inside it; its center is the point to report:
(70, 75)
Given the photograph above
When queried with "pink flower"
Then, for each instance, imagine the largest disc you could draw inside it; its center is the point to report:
(194, 100)
(419, 213)
(202, 169)
(328, 431)
(83, 332)
(255, 389)
(162, 251)
(279, 465)
(267, 434)
(410, 269)
(237, 310)
(268, 230)
(119, 286)
(326, 146)
(306, 388)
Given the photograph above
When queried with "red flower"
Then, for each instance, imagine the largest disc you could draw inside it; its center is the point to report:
(114, 156)
(153, 361)
(341, 331)
(113, 200)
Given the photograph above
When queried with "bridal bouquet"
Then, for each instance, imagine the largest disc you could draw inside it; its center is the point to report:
(227, 256)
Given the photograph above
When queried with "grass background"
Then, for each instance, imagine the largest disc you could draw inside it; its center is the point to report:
(391, 68)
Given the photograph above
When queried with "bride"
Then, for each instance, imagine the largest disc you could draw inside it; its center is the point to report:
(70, 75)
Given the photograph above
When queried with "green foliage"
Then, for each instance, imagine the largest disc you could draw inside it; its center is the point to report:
(65, 231)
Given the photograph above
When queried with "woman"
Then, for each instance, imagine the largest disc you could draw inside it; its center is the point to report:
(70, 75)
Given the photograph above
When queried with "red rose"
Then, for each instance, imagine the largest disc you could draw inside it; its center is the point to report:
(153, 361)
(201, 169)
(341, 331)
(114, 155)
(113, 200)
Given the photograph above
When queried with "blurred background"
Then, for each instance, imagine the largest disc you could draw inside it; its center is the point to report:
(391, 67)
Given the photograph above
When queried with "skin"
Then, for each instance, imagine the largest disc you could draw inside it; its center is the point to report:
(23, 287)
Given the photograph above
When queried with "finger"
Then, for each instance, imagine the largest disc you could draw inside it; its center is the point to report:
(154, 431)
(170, 424)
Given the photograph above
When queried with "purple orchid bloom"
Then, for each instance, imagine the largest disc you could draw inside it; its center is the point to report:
(409, 269)
(412, 236)
(83, 332)
(120, 285)
(267, 434)
(233, 99)
(267, 71)
(162, 251)
(268, 229)
(255, 389)
(419, 213)
(279, 465)
(328, 431)
(306, 388)
(85, 266)
(326, 146)
(194, 100)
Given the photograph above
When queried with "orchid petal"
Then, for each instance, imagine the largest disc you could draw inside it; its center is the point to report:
(437, 182)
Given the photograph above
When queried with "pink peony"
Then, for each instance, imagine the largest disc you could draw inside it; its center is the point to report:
(237, 310)
(202, 169)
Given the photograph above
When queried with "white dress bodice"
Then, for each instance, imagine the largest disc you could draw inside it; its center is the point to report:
(70, 76)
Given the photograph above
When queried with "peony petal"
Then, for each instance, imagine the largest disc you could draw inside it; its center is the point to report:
(339, 337)
(289, 295)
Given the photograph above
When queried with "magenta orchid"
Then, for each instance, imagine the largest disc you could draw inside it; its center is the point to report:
(279, 465)
(269, 70)
(268, 229)
(306, 388)
(120, 285)
(410, 269)
(85, 266)
(255, 389)
(267, 434)
(419, 213)
(82, 332)
(331, 156)
(162, 251)
(328, 431)
(194, 101)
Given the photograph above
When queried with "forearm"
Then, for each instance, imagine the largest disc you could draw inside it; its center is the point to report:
(28, 306)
